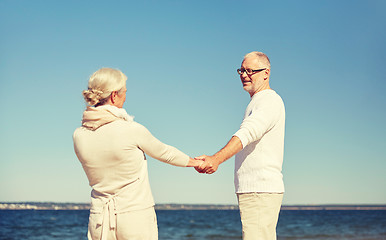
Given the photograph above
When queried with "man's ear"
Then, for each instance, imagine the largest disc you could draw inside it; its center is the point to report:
(266, 73)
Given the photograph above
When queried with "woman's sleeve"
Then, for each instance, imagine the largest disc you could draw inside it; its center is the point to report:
(158, 150)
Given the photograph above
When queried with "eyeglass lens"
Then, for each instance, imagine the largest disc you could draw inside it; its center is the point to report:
(242, 70)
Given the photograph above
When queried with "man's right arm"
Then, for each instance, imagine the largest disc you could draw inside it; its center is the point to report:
(212, 162)
(252, 129)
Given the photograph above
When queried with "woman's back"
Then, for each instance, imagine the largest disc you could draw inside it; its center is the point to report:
(110, 155)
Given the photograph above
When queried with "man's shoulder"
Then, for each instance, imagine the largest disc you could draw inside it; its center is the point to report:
(271, 93)
(268, 96)
(276, 96)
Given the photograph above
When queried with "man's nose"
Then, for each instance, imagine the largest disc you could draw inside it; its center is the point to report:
(244, 75)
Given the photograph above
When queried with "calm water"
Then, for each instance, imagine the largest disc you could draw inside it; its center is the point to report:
(201, 225)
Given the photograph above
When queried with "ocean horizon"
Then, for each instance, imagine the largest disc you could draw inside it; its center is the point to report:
(182, 206)
(196, 224)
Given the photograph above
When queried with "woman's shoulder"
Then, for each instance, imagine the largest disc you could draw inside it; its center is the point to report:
(129, 125)
(78, 131)
(118, 126)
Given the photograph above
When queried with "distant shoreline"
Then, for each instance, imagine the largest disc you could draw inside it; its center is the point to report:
(86, 206)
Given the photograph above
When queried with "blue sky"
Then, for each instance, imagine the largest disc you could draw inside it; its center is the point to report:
(181, 58)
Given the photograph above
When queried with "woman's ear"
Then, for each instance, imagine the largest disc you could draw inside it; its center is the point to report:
(113, 97)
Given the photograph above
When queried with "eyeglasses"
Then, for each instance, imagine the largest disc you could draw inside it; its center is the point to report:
(249, 71)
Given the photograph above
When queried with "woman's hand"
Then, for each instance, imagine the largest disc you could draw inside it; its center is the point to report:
(194, 162)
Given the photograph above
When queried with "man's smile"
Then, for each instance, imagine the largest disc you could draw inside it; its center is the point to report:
(245, 82)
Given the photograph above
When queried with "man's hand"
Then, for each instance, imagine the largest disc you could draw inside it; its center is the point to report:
(209, 166)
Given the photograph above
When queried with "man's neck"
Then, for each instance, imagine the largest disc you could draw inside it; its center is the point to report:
(265, 88)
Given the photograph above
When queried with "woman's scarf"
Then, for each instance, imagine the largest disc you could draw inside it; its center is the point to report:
(95, 117)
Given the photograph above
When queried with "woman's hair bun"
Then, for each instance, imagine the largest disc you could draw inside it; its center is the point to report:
(92, 96)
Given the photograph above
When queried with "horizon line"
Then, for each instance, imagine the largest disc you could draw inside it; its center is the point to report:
(214, 204)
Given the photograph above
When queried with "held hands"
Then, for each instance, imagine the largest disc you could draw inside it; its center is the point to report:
(209, 165)
(194, 162)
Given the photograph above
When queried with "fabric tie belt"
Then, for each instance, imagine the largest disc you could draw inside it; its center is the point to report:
(109, 212)
(107, 218)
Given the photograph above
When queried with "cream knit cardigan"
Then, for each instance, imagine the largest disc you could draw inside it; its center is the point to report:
(111, 148)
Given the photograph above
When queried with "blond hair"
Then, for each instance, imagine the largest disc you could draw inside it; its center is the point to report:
(101, 84)
(261, 57)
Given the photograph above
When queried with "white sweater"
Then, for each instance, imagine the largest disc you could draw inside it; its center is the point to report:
(258, 166)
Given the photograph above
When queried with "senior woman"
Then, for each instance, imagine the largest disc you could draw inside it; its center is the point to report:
(111, 148)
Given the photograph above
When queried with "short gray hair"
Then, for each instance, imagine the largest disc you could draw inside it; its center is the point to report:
(261, 57)
(101, 84)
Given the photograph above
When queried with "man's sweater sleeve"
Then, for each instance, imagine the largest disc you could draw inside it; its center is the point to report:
(158, 150)
(261, 120)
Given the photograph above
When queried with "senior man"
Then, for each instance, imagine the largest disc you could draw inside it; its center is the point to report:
(259, 147)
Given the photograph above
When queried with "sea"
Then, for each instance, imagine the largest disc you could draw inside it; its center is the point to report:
(201, 224)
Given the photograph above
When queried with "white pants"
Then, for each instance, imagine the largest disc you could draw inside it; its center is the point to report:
(134, 225)
(259, 213)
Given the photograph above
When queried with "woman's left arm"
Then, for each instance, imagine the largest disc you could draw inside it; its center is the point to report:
(163, 152)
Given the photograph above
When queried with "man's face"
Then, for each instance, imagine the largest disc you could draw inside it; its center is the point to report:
(254, 82)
